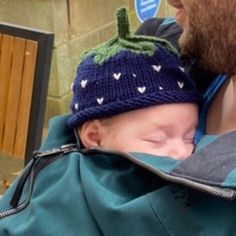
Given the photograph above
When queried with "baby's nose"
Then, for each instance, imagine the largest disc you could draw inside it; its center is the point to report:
(180, 152)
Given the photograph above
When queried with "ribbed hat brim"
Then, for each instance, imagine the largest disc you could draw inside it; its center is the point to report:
(143, 101)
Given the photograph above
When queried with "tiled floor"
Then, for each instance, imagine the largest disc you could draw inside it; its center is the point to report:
(9, 168)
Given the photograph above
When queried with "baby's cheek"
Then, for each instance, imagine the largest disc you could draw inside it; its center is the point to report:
(132, 145)
(122, 145)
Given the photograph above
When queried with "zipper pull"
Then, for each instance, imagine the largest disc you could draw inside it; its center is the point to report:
(19, 188)
(64, 149)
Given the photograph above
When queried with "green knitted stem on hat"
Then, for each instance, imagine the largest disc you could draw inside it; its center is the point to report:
(122, 23)
(125, 41)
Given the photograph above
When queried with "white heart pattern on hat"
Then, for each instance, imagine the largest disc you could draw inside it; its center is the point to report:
(100, 101)
(117, 76)
(156, 68)
(141, 89)
(180, 84)
(84, 83)
(76, 106)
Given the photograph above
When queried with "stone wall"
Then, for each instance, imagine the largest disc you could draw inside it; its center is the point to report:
(77, 25)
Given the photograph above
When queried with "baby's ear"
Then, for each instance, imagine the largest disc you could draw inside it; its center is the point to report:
(90, 133)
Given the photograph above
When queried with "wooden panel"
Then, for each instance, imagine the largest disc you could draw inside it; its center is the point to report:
(13, 95)
(21, 116)
(0, 43)
(5, 66)
(25, 98)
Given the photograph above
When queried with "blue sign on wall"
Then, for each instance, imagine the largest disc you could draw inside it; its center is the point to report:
(146, 9)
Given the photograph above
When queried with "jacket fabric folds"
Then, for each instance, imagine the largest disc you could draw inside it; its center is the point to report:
(72, 191)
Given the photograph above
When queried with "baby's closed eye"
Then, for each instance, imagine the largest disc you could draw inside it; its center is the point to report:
(158, 138)
(189, 137)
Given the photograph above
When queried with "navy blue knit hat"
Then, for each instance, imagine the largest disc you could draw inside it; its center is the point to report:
(128, 73)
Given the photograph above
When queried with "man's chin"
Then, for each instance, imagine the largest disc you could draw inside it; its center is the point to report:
(184, 43)
(207, 59)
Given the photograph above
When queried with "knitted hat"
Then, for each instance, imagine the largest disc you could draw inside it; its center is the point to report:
(128, 73)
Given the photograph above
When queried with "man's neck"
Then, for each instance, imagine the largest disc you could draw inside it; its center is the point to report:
(221, 117)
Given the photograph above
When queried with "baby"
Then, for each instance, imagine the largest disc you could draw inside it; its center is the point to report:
(131, 94)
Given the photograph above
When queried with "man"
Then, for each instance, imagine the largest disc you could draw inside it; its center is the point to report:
(209, 36)
(207, 44)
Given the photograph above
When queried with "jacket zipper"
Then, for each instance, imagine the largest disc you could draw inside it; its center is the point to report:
(225, 193)
(40, 160)
(53, 155)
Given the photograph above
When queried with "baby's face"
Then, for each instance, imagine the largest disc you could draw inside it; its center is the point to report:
(165, 130)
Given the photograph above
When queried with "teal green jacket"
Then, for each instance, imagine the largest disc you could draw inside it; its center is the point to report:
(70, 191)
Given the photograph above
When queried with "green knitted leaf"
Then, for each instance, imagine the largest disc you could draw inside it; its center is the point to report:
(125, 41)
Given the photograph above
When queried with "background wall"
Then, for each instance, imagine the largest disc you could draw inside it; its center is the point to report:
(77, 25)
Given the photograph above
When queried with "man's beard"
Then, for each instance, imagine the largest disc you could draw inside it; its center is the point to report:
(211, 37)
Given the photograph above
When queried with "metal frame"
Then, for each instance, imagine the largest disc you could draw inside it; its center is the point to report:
(41, 78)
